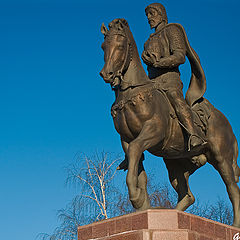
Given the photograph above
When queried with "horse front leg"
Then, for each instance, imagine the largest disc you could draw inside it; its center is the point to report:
(136, 194)
(142, 176)
(137, 181)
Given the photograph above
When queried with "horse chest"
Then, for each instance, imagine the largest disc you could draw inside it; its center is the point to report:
(130, 118)
(131, 112)
(127, 123)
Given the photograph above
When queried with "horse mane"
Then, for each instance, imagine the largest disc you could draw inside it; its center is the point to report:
(120, 26)
(118, 23)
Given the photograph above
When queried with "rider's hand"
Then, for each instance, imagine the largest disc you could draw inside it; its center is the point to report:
(161, 63)
(146, 58)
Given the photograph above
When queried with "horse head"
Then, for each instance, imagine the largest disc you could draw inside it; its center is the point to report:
(117, 51)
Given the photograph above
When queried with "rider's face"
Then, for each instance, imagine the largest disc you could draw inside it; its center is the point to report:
(154, 18)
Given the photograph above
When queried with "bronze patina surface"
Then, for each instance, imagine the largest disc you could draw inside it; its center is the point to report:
(150, 112)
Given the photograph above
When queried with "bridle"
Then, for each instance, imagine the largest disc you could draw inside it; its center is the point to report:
(128, 57)
(127, 60)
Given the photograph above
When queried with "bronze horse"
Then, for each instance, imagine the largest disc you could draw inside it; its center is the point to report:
(145, 120)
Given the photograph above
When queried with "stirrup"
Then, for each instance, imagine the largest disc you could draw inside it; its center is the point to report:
(190, 147)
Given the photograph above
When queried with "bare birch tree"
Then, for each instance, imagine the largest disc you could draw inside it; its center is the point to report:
(93, 177)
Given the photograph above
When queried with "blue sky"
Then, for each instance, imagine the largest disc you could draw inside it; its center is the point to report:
(54, 104)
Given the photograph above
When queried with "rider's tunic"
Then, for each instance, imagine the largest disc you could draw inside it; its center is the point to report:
(162, 44)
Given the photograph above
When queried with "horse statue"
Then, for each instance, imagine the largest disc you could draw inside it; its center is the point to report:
(145, 120)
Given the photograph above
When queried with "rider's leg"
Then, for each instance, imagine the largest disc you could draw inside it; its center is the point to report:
(184, 115)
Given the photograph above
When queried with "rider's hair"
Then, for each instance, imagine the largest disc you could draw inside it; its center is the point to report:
(160, 8)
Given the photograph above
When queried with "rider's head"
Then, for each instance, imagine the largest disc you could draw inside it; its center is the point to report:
(156, 14)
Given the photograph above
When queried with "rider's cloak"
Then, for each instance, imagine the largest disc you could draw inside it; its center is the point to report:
(197, 85)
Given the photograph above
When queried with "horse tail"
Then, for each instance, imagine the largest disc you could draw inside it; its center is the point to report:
(236, 169)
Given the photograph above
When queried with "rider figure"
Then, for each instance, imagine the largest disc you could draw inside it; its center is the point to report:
(163, 52)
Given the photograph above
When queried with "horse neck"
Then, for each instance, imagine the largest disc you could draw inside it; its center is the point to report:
(135, 75)
(134, 80)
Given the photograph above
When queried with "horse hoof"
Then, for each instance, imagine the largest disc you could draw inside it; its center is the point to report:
(138, 200)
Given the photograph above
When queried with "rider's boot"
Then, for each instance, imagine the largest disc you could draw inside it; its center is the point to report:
(186, 120)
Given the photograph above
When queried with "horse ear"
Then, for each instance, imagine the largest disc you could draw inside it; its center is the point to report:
(104, 29)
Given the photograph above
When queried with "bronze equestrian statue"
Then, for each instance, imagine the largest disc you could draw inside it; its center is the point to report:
(151, 114)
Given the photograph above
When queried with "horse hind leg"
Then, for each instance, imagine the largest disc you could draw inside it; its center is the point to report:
(222, 155)
(178, 176)
(236, 169)
(226, 171)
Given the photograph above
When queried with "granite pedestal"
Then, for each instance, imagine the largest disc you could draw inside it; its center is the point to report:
(158, 224)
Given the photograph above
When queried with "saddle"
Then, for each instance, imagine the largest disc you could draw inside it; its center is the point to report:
(202, 111)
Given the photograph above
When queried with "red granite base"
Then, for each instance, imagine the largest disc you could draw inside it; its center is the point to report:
(157, 224)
